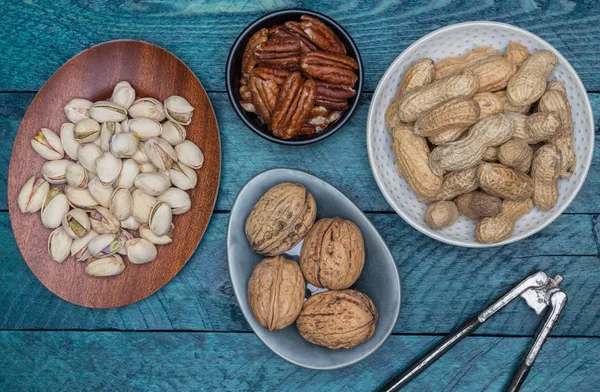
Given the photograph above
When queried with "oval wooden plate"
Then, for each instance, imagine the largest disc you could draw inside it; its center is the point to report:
(92, 74)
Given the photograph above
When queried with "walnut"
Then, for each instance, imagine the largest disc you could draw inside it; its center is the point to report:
(276, 292)
(337, 319)
(280, 219)
(333, 254)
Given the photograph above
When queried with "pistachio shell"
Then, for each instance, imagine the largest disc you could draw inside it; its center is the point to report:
(178, 200)
(124, 145)
(108, 168)
(32, 195)
(108, 130)
(105, 245)
(67, 138)
(128, 174)
(107, 266)
(121, 203)
(104, 111)
(189, 154)
(103, 221)
(100, 191)
(80, 197)
(160, 153)
(59, 245)
(153, 184)
(79, 247)
(130, 223)
(160, 218)
(55, 171)
(182, 176)
(148, 167)
(78, 109)
(86, 131)
(178, 109)
(125, 236)
(125, 125)
(145, 128)
(123, 95)
(173, 132)
(147, 108)
(76, 176)
(87, 154)
(140, 251)
(142, 205)
(76, 223)
(140, 155)
(147, 234)
(48, 145)
(55, 207)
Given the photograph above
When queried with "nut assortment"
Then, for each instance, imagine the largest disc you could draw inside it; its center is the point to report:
(297, 77)
(484, 135)
(113, 179)
(332, 257)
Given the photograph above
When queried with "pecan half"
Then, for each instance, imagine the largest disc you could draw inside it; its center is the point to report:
(245, 93)
(278, 53)
(294, 29)
(248, 61)
(330, 67)
(294, 104)
(264, 97)
(277, 75)
(321, 35)
(333, 96)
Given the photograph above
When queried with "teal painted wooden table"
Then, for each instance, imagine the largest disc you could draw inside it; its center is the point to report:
(191, 334)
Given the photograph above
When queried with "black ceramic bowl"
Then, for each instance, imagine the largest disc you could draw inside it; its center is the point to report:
(233, 75)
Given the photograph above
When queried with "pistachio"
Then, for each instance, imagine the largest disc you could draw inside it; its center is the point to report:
(125, 125)
(87, 154)
(189, 154)
(160, 153)
(86, 131)
(108, 130)
(100, 191)
(48, 145)
(59, 245)
(32, 195)
(67, 138)
(173, 132)
(121, 203)
(104, 111)
(80, 197)
(128, 174)
(78, 109)
(160, 218)
(105, 245)
(130, 223)
(148, 167)
(142, 205)
(107, 266)
(124, 145)
(103, 221)
(140, 155)
(182, 177)
(76, 176)
(125, 236)
(55, 171)
(123, 95)
(145, 128)
(179, 110)
(147, 108)
(79, 247)
(164, 239)
(108, 168)
(153, 184)
(178, 200)
(55, 207)
(140, 251)
(76, 223)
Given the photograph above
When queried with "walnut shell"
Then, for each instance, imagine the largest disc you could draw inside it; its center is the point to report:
(338, 319)
(333, 254)
(276, 292)
(280, 219)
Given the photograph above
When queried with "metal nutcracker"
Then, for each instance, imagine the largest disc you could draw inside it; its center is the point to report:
(539, 291)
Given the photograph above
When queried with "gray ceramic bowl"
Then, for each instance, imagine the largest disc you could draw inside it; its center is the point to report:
(379, 278)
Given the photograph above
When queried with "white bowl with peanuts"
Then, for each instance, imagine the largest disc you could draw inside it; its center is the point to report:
(480, 134)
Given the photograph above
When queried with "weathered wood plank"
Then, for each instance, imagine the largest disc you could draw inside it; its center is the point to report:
(438, 291)
(185, 361)
(341, 160)
(201, 32)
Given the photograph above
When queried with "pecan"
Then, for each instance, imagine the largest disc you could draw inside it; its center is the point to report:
(273, 29)
(264, 97)
(278, 53)
(333, 96)
(245, 93)
(248, 106)
(330, 67)
(321, 35)
(294, 29)
(277, 75)
(294, 104)
(248, 61)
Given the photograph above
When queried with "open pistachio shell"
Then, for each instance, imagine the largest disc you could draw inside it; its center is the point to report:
(67, 138)
(153, 184)
(108, 130)
(142, 205)
(128, 174)
(87, 154)
(124, 145)
(140, 251)
(104, 111)
(80, 197)
(182, 176)
(103, 221)
(160, 218)
(100, 191)
(160, 152)
(125, 236)
(108, 168)
(86, 131)
(130, 223)
(145, 128)
(179, 110)
(78, 109)
(147, 108)
(189, 154)
(59, 245)
(55, 171)
(76, 176)
(32, 195)
(173, 132)
(105, 245)
(123, 95)
(147, 234)
(48, 145)
(178, 200)
(76, 223)
(125, 126)
(79, 247)
(107, 266)
(148, 167)
(140, 155)
(54, 209)
(121, 203)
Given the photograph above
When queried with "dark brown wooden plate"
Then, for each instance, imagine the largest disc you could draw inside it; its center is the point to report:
(92, 74)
